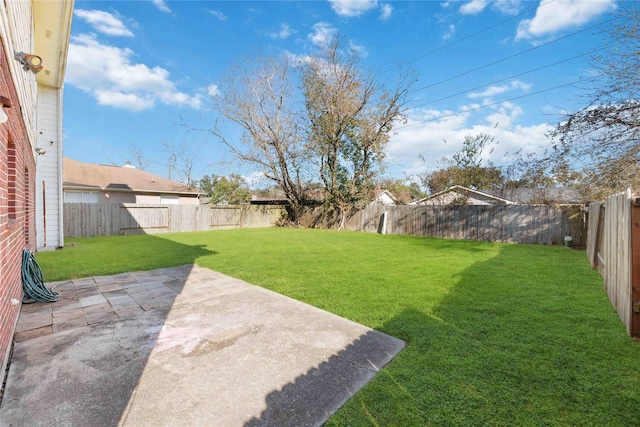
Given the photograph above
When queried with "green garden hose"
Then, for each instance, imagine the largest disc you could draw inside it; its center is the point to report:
(32, 282)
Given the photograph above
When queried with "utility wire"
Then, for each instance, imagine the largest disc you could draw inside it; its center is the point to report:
(506, 58)
(509, 78)
(495, 103)
(470, 35)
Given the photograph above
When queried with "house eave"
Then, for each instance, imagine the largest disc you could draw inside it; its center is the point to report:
(53, 32)
(465, 190)
(129, 190)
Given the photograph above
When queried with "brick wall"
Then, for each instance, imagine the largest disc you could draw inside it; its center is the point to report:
(17, 209)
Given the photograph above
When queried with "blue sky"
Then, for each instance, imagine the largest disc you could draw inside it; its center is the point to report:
(136, 70)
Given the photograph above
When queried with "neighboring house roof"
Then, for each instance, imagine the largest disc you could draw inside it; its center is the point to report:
(384, 197)
(256, 200)
(520, 196)
(466, 192)
(78, 175)
(529, 196)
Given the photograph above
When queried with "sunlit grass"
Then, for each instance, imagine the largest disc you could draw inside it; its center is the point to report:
(497, 334)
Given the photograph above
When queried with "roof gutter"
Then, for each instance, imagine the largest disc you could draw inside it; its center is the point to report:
(129, 190)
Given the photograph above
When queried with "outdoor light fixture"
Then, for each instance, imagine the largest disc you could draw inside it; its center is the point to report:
(29, 61)
(4, 101)
(40, 151)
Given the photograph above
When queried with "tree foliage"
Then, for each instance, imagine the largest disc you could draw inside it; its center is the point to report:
(334, 130)
(181, 158)
(350, 116)
(603, 138)
(403, 190)
(259, 97)
(222, 190)
(465, 168)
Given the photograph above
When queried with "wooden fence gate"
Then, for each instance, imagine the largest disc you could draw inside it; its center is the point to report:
(613, 247)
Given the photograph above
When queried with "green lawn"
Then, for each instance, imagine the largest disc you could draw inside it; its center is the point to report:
(499, 335)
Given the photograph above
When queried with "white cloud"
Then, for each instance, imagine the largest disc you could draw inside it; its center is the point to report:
(360, 49)
(213, 90)
(161, 5)
(426, 131)
(108, 74)
(284, 32)
(451, 30)
(352, 8)
(221, 16)
(385, 12)
(323, 33)
(255, 180)
(500, 89)
(128, 101)
(104, 22)
(554, 17)
(473, 7)
(296, 59)
(505, 115)
(355, 8)
(508, 7)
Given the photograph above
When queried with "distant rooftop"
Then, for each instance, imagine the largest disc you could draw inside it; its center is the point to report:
(123, 178)
(526, 196)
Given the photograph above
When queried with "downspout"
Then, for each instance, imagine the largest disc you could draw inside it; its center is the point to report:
(67, 18)
(60, 173)
(44, 215)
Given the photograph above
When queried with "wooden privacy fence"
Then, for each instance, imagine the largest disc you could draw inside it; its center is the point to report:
(613, 247)
(108, 219)
(547, 225)
(503, 223)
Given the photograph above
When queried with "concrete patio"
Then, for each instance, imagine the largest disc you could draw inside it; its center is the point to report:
(184, 346)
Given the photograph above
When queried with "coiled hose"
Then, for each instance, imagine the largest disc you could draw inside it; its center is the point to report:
(32, 282)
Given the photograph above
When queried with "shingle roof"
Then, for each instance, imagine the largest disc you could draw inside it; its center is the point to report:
(524, 196)
(118, 178)
(467, 191)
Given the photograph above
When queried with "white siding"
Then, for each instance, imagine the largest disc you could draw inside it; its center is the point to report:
(169, 199)
(188, 201)
(81, 197)
(48, 171)
(147, 199)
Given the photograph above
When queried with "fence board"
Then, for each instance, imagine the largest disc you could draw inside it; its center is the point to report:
(108, 219)
(635, 267)
(513, 223)
(498, 223)
(609, 249)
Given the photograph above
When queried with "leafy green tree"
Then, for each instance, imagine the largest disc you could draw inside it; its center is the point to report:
(465, 168)
(602, 140)
(403, 190)
(350, 116)
(333, 131)
(259, 97)
(221, 189)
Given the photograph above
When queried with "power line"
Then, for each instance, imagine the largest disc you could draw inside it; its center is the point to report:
(495, 103)
(507, 58)
(510, 77)
(471, 35)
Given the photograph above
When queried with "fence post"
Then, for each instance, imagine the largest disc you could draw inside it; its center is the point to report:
(635, 267)
(382, 225)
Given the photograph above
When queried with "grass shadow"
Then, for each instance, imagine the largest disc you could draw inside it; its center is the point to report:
(98, 256)
(84, 354)
(497, 334)
(312, 397)
(524, 338)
